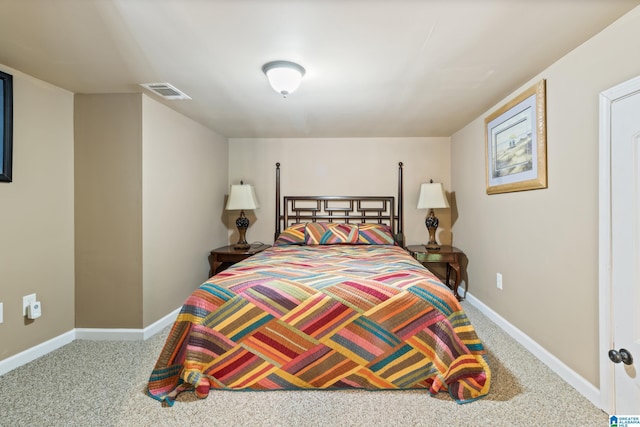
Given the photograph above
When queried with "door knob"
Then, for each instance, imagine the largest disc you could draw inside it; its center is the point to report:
(621, 356)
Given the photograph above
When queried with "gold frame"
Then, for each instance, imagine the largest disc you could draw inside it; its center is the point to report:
(530, 174)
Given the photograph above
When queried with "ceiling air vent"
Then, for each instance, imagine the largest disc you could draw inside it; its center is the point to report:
(166, 91)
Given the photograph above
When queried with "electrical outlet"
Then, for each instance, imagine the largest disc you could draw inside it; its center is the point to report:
(26, 300)
(499, 280)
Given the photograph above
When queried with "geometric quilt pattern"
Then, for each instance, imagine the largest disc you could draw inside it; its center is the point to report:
(323, 233)
(322, 317)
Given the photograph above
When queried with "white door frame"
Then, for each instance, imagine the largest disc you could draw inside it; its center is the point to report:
(607, 97)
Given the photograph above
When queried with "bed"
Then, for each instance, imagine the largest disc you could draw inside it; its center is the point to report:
(335, 303)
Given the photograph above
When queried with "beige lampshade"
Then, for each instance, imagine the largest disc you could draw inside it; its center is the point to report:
(242, 197)
(432, 196)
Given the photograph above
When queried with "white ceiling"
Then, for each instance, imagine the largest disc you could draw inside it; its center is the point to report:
(374, 67)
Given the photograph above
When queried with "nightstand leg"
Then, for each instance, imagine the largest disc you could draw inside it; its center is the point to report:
(214, 265)
(448, 275)
(456, 267)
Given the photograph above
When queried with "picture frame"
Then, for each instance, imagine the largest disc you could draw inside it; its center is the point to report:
(6, 126)
(516, 143)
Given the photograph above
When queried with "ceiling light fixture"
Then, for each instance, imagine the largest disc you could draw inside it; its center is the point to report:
(284, 76)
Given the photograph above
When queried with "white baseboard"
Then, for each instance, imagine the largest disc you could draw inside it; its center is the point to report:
(33, 353)
(93, 334)
(159, 325)
(583, 386)
(106, 334)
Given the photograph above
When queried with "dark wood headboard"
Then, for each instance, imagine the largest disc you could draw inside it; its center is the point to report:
(342, 209)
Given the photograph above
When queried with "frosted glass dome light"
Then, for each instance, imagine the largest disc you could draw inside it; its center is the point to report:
(284, 76)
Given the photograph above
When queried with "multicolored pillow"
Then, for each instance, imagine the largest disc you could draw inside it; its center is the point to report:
(292, 235)
(322, 233)
(375, 234)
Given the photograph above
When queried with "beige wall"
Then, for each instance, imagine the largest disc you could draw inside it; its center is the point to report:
(545, 242)
(36, 216)
(184, 174)
(339, 167)
(149, 185)
(108, 206)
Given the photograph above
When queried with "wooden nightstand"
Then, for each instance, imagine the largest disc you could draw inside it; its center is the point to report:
(224, 257)
(447, 255)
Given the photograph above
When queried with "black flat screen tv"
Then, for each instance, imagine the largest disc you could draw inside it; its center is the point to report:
(6, 126)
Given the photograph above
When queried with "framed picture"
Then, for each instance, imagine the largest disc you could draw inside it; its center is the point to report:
(516, 143)
(6, 126)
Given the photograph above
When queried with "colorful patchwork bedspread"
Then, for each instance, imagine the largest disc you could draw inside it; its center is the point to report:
(322, 317)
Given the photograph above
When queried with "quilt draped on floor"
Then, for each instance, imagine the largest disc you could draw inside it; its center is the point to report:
(322, 317)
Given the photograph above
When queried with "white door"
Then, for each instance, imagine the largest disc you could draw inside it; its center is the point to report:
(621, 363)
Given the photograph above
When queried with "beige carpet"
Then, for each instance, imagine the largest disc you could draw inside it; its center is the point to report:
(102, 384)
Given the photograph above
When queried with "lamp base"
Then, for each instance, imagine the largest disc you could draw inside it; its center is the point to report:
(242, 223)
(432, 246)
(432, 225)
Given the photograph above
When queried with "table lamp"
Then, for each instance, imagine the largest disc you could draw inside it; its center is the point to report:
(242, 197)
(432, 197)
